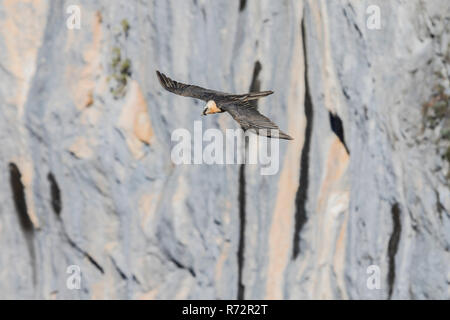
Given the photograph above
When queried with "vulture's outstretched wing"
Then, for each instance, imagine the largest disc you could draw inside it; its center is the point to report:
(188, 90)
(250, 118)
(197, 92)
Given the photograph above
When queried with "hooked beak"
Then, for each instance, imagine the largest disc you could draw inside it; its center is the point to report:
(204, 111)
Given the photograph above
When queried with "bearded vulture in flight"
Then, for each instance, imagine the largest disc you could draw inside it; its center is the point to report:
(237, 105)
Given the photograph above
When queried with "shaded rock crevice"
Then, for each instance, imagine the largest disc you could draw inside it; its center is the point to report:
(242, 5)
(337, 127)
(241, 245)
(55, 194)
(18, 191)
(85, 254)
(393, 246)
(302, 191)
(20, 203)
(255, 86)
(118, 269)
(179, 265)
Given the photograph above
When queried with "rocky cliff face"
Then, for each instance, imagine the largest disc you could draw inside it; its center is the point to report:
(85, 131)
